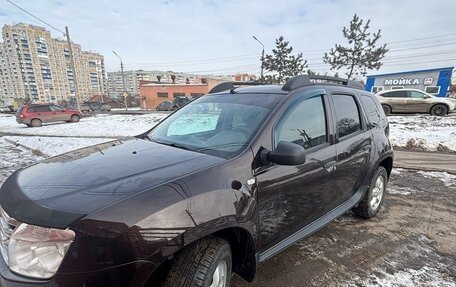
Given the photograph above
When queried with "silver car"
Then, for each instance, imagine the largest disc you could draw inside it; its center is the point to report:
(414, 101)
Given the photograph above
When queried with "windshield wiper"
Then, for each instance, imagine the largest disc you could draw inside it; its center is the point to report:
(176, 145)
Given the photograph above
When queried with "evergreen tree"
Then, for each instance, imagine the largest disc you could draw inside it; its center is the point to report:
(282, 63)
(361, 55)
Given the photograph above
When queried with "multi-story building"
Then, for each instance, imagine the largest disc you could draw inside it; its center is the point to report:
(36, 66)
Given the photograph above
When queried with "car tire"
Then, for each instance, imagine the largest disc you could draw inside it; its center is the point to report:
(36, 123)
(200, 264)
(386, 109)
(74, 119)
(375, 195)
(439, 110)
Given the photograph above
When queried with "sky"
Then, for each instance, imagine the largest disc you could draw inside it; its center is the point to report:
(215, 37)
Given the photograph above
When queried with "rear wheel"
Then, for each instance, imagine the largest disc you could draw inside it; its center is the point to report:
(439, 110)
(36, 123)
(206, 262)
(386, 109)
(373, 199)
(74, 119)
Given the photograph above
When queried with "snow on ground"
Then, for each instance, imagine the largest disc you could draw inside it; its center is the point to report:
(51, 146)
(424, 132)
(103, 125)
(447, 178)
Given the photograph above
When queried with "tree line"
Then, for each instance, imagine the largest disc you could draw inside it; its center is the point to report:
(360, 55)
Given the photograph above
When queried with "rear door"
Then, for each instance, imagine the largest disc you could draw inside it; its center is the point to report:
(397, 100)
(354, 145)
(44, 113)
(291, 197)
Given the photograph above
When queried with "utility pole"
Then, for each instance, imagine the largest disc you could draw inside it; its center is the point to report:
(262, 55)
(70, 47)
(123, 80)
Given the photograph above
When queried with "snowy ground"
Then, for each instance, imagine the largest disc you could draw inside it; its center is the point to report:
(424, 132)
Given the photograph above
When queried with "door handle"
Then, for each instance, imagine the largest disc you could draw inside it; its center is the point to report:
(330, 166)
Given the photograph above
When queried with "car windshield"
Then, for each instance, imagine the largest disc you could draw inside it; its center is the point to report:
(220, 125)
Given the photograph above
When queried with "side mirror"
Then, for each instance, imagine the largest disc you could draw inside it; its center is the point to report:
(286, 153)
(426, 97)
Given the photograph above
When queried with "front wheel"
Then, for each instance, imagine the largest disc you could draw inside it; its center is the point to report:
(375, 194)
(439, 110)
(205, 263)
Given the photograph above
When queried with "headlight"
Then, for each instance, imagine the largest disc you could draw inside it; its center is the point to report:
(36, 251)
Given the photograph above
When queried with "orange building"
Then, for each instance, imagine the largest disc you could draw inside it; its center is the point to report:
(153, 93)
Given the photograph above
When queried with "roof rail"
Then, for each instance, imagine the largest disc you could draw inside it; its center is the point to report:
(306, 80)
(225, 86)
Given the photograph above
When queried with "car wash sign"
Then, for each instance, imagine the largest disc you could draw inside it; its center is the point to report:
(402, 82)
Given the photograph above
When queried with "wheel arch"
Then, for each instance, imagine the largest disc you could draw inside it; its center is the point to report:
(387, 163)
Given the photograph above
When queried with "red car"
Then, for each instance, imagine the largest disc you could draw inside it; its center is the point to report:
(35, 115)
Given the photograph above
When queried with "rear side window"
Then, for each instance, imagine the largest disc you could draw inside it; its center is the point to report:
(371, 109)
(40, 109)
(396, 94)
(31, 110)
(347, 115)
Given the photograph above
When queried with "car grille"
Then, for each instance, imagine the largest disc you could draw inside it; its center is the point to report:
(7, 226)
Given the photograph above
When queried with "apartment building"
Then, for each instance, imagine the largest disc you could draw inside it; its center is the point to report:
(36, 66)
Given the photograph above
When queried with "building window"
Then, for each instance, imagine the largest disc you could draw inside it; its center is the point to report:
(175, 95)
(162, 95)
(376, 89)
(397, 87)
(432, 90)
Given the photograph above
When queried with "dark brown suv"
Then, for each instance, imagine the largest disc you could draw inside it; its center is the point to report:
(219, 186)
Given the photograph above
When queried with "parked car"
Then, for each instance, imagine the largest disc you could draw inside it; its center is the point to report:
(414, 101)
(5, 109)
(200, 195)
(35, 115)
(179, 102)
(164, 106)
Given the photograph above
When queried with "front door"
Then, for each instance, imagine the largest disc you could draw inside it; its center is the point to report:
(290, 197)
(417, 103)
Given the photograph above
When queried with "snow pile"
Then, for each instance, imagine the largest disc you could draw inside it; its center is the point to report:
(103, 125)
(51, 146)
(424, 132)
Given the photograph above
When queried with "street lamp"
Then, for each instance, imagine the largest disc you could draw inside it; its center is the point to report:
(262, 55)
(123, 80)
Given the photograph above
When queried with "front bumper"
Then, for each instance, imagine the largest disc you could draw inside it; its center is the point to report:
(132, 274)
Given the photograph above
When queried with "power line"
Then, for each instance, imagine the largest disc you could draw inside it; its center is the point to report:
(42, 21)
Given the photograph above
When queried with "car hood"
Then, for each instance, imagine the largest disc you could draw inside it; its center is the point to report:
(62, 189)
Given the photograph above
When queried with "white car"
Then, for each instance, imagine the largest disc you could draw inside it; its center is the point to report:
(414, 101)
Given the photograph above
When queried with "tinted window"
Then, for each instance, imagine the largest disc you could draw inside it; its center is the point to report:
(396, 94)
(347, 115)
(371, 109)
(41, 109)
(31, 110)
(304, 124)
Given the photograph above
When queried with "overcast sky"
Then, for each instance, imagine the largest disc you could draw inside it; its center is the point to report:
(216, 36)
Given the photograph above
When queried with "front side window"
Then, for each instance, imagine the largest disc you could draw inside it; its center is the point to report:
(57, 108)
(347, 115)
(220, 125)
(304, 124)
(416, 95)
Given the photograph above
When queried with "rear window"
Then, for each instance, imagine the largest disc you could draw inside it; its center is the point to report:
(347, 115)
